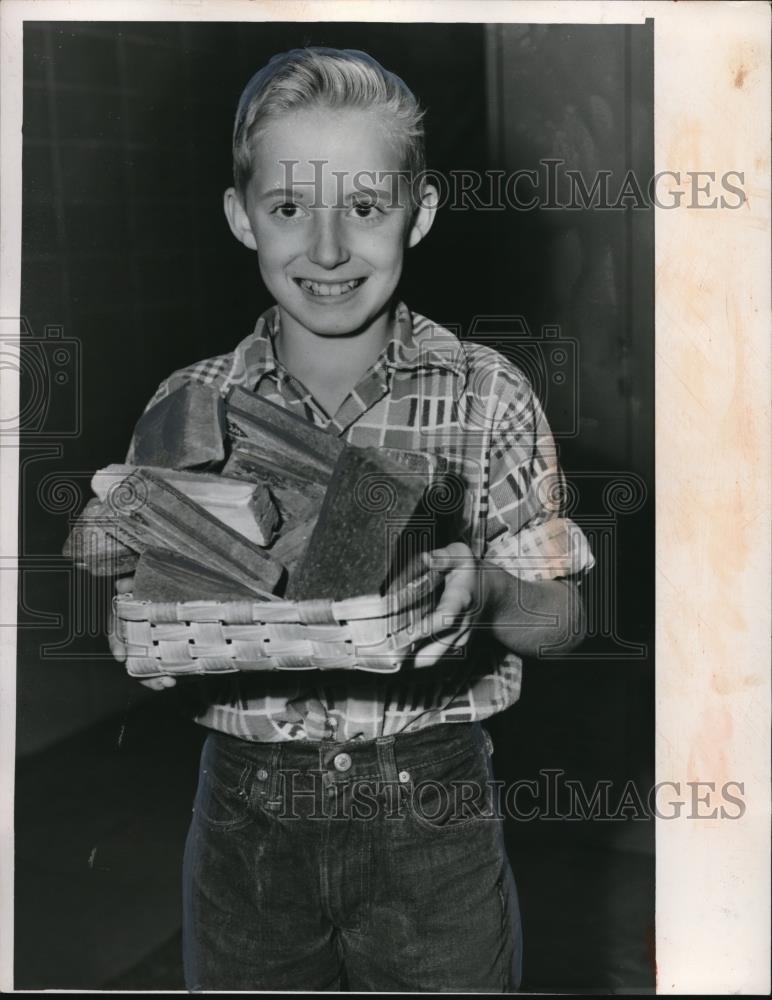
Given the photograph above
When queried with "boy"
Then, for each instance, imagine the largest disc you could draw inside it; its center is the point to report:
(287, 885)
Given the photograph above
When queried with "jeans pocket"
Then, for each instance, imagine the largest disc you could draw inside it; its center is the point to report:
(453, 794)
(222, 798)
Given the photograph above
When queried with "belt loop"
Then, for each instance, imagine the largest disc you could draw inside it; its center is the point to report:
(393, 792)
(387, 761)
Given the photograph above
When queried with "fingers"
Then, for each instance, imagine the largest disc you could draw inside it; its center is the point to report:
(441, 623)
(454, 557)
(159, 683)
(124, 584)
(450, 553)
(457, 604)
(117, 647)
(438, 634)
(432, 652)
(456, 609)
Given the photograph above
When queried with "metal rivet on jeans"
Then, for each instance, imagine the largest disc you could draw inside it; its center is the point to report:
(404, 776)
(262, 774)
(342, 762)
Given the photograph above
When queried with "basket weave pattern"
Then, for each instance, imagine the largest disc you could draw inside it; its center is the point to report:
(369, 633)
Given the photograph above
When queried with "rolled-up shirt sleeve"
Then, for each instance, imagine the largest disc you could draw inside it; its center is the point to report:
(528, 532)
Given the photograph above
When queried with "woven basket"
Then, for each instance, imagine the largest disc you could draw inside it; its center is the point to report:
(371, 633)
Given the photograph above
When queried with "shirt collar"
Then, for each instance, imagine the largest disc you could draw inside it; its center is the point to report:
(420, 343)
(417, 343)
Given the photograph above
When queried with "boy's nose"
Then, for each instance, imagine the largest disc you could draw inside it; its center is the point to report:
(328, 248)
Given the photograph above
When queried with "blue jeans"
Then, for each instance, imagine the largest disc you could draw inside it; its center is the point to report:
(373, 865)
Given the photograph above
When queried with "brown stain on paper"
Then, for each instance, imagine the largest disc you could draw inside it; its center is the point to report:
(726, 507)
(728, 553)
(707, 757)
(744, 56)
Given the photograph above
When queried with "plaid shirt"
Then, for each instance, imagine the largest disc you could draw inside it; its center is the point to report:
(427, 391)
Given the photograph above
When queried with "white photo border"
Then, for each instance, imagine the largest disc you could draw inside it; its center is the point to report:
(712, 437)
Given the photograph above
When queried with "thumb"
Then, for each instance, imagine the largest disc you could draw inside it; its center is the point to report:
(435, 561)
(438, 556)
(444, 558)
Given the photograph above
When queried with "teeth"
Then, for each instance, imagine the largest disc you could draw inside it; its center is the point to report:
(325, 289)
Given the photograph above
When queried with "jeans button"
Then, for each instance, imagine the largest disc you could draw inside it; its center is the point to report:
(262, 774)
(342, 762)
(404, 777)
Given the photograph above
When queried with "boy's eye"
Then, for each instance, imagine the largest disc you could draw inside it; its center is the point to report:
(365, 209)
(287, 210)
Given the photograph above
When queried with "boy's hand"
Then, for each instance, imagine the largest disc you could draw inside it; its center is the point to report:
(461, 603)
(124, 585)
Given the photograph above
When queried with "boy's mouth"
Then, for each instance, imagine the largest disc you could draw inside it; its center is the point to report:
(329, 289)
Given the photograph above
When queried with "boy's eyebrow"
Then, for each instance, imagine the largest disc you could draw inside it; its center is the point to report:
(284, 191)
(367, 190)
(302, 191)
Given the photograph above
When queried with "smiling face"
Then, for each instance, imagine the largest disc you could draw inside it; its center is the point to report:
(328, 217)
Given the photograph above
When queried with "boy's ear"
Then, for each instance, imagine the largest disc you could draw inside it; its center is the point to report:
(424, 216)
(238, 219)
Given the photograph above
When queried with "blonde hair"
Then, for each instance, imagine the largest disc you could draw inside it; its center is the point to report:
(329, 78)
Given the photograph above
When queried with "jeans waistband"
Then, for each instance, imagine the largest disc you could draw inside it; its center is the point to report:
(388, 758)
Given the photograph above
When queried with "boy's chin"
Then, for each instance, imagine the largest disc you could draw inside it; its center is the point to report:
(335, 321)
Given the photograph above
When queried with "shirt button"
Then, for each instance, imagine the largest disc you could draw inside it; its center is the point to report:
(404, 776)
(262, 774)
(342, 762)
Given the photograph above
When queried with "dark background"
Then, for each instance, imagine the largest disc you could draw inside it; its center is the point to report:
(129, 271)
